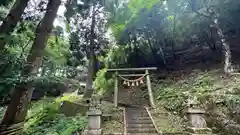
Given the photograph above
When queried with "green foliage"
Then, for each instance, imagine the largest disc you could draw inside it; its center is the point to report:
(44, 118)
(54, 86)
(57, 50)
(13, 59)
(209, 87)
(174, 94)
(2, 110)
(103, 82)
(153, 26)
(116, 57)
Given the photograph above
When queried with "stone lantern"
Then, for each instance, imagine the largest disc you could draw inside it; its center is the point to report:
(197, 123)
(94, 118)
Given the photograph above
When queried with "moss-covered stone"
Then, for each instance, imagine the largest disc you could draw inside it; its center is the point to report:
(72, 109)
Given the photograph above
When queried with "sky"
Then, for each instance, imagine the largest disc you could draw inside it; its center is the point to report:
(59, 22)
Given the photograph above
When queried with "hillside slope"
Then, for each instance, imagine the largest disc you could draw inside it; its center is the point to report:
(218, 93)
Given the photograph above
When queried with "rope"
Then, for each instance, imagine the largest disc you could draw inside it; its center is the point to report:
(134, 80)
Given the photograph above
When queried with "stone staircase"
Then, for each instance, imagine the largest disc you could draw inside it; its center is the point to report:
(138, 122)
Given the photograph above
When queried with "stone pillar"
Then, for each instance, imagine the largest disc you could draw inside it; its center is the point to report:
(149, 87)
(197, 123)
(94, 122)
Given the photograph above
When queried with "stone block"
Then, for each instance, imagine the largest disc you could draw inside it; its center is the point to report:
(195, 111)
(94, 122)
(196, 118)
(199, 130)
(93, 132)
(197, 123)
(72, 109)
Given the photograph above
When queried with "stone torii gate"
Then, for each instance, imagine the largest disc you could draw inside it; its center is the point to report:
(117, 76)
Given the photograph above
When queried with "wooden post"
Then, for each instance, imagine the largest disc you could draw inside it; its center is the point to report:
(116, 90)
(150, 89)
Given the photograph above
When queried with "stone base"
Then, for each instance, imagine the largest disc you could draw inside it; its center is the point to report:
(199, 131)
(93, 132)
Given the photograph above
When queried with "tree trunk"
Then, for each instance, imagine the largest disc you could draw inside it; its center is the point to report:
(10, 22)
(89, 84)
(21, 96)
(174, 34)
(226, 48)
(225, 45)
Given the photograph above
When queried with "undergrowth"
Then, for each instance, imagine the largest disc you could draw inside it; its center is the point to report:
(44, 118)
(217, 93)
(104, 82)
(210, 86)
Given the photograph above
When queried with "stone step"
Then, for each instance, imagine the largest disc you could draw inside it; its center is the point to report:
(141, 130)
(137, 114)
(174, 133)
(140, 125)
(139, 122)
(139, 118)
(135, 110)
(142, 134)
(114, 134)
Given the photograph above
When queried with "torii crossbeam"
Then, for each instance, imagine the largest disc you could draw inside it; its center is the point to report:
(117, 75)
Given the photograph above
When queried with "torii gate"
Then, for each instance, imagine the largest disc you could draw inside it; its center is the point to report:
(133, 82)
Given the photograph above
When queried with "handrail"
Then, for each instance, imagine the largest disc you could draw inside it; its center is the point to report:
(150, 115)
(132, 69)
(125, 121)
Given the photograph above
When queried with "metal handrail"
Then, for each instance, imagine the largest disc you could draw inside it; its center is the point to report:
(155, 125)
(125, 121)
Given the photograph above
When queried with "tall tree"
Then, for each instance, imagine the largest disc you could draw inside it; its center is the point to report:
(17, 108)
(88, 37)
(89, 84)
(10, 22)
(214, 18)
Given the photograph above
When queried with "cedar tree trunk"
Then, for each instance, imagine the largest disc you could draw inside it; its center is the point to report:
(17, 109)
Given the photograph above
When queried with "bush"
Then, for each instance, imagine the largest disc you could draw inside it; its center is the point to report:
(54, 86)
(44, 118)
(104, 82)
